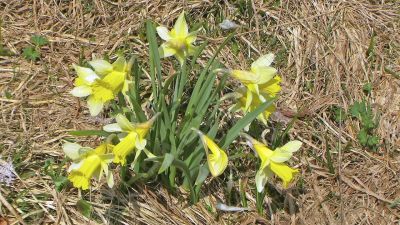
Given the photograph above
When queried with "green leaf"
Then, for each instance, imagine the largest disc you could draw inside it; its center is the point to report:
(60, 182)
(39, 40)
(363, 137)
(168, 159)
(203, 173)
(339, 114)
(89, 133)
(30, 53)
(84, 207)
(367, 88)
(242, 123)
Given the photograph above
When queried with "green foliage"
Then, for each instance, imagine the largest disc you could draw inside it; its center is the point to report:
(32, 52)
(363, 112)
(84, 207)
(339, 114)
(59, 180)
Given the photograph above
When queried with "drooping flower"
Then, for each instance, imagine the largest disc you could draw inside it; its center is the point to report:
(135, 136)
(216, 158)
(178, 41)
(88, 163)
(272, 162)
(260, 74)
(102, 84)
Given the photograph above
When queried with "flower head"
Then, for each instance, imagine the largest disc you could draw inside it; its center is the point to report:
(135, 136)
(178, 41)
(216, 158)
(102, 84)
(88, 163)
(260, 74)
(272, 162)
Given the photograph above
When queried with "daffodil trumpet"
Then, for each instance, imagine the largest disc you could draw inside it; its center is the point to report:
(103, 83)
(216, 157)
(133, 135)
(272, 161)
(88, 163)
(178, 41)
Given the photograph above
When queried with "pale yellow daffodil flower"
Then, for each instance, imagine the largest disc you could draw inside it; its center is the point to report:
(216, 158)
(178, 41)
(135, 136)
(272, 162)
(103, 84)
(88, 163)
(261, 72)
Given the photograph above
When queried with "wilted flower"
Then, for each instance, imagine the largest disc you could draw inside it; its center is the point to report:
(273, 162)
(88, 163)
(178, 41)
(135, 136)
(102, 84)
(217, 159)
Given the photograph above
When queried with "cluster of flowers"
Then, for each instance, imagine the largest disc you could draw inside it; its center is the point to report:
(105, 81)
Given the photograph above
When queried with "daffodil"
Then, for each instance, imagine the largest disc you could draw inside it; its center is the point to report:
(260, 74)
(178, 41)
(217, 158)
(272, 162)
(88, 163)
(134, 136)
(102, 84)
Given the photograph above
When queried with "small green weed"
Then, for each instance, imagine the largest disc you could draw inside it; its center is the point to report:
(32, 52)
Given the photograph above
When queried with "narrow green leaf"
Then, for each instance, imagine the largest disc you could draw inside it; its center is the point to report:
(168, 159)
(84, 207)
(203, 173)
(242, 123)
(88, 133)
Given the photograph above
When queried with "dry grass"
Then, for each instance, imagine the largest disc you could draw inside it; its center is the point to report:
(323, 48)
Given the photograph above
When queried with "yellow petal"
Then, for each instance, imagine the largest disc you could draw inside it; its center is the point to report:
(265, 74)
(124, 148)
(262, 151)
(143, 128)
(120, 64)
(95, 106)
(101, 66)
(181, 28)
(271, 87)
(284, 172)
(246, 77)
(114, 81)
(166, 51)
(81, 176)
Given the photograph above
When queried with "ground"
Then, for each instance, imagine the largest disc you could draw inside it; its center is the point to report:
(326, 54)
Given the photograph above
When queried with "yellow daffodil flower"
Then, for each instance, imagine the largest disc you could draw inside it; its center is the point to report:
(217, 159)
(135, 136)
(261, 73)
(272, 162)
(178, 41)
(267, 91)
(102, 84)
(87, 163)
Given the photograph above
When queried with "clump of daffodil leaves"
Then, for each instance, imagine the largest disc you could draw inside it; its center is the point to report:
(172, 132)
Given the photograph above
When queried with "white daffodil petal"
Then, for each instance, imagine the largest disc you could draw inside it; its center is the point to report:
(140, 144)
(166, 51)
(263, 61)
(114, 127)
(265, 74)
(163, 33)
(101, 66)
(181, 27)
(81, 91)
(75, 166)
(280, 156)
(261, 180)
(124, 123)
(95, 106)
(292, 146)
(86, 74)
(110, 179)
(71, 150)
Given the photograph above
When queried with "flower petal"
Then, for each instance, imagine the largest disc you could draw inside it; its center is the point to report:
(81, 91)
(113, 127)
(284, 172)
(95, 106)
(124, 123)
(71, 150)
(75, 166)
(101, 66)
(86, 74)
(181, 28)
(163, 32)
(263, 61)
(166, 51)
(246, 77)
(265, 74)
(292, 146)
(262, 176)
(120, 64)
(110, 179)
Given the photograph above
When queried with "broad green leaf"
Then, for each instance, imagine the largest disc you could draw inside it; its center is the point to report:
(203, 173)
(84, 207)
(168, 159)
